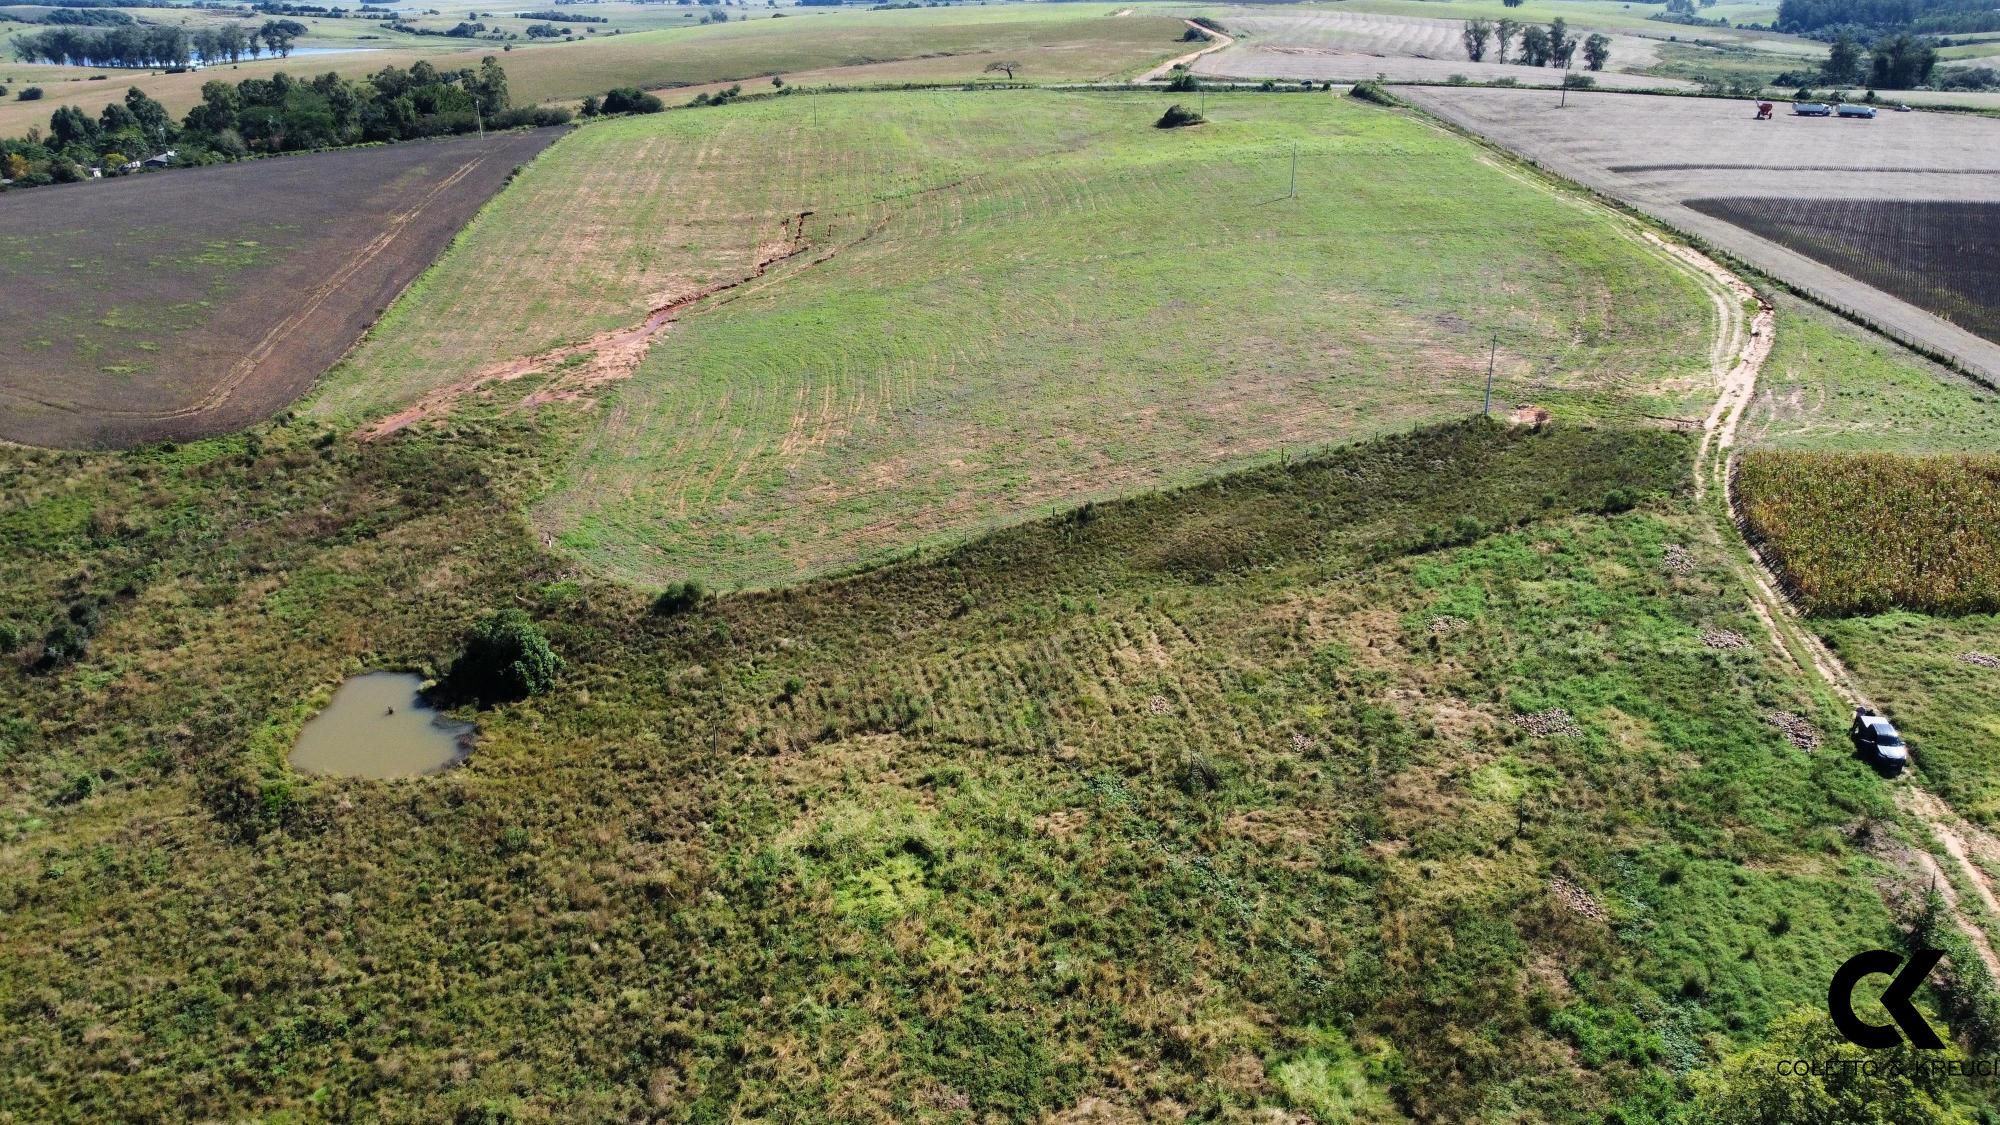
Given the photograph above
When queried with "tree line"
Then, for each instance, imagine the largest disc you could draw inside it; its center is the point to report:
(145, 47)
(1538, 46)
(1826, 19)
(270, 115)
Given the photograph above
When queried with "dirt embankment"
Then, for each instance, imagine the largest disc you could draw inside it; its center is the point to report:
(577, 369)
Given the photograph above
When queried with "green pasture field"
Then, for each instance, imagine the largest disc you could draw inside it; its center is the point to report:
(1225, 785)
(1031, 300)
(1829, 385)
(1915, 668)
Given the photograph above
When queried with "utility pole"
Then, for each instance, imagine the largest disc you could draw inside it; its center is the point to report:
(1569, 60)
(1486, 411)
(1295, 172)
(478, 117)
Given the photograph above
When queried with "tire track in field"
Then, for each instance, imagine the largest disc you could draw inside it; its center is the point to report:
(1960, 840)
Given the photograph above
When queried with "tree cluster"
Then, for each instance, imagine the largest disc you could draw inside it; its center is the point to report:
(152, 46)
(1865, 18)
(624, 99)
(270, 115)
(1538, 46)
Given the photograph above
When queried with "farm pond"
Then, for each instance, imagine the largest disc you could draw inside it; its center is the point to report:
(378, 726)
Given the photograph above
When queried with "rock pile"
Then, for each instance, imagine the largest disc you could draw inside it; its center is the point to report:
(1548, 724)
(1798, 729)
(1723, 638)
(1576, 898)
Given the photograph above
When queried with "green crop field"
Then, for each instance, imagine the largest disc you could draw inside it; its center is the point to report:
(1229, 786)
(1006, 304)
(1865, 532)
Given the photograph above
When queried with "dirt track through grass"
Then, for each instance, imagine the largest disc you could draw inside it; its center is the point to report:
(1055, 302)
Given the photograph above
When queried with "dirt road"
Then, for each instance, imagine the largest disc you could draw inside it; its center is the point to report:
(1216, 42)
(1738, 358)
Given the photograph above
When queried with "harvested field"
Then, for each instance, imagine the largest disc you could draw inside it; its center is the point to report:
(997, 306)
(1865, 533)
(1944, 257)
(1052, 42)
(1657, 153)
(1346, 46)
(193, 303)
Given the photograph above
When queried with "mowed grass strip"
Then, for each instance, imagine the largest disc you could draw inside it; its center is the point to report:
(1864, 533)
(1033, 299)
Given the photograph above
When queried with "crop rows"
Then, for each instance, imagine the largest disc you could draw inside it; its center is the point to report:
(1865, 533)
(1941, 257)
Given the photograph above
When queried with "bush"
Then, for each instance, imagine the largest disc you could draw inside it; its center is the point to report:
(30, 94)
(10, 636)
(1182, 81)
(679, 598)
(67, 643)
(1178, 115)
(1373, 92)
(506, 657)
(528, 116)
(631, 99)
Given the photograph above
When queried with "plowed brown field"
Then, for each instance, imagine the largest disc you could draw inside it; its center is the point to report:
(187, 304)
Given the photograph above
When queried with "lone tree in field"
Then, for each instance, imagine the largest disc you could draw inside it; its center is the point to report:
(1513, 3)
(506, 657)
(1503, 34)
(1596, 51)
(1476, 33)
(1009, 67)
(1178, 115)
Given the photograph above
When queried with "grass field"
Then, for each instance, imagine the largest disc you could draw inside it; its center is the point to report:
(1030, 300)
(197, 302)
(1053, 42)
(1194, 804)
(1832, 386)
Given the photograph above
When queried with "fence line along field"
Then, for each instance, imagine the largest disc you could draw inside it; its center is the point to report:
(196, 302)
(1941, 256)
(932, 313)
(1862, 533)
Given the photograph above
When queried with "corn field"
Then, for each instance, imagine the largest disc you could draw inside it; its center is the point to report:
(1863, 533)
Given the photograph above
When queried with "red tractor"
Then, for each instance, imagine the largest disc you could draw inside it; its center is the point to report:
(1763, 111)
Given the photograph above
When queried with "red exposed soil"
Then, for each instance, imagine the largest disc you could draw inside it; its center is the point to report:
(607, 357)
(193, 303)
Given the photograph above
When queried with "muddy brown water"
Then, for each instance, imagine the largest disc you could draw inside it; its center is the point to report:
(377, 726)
